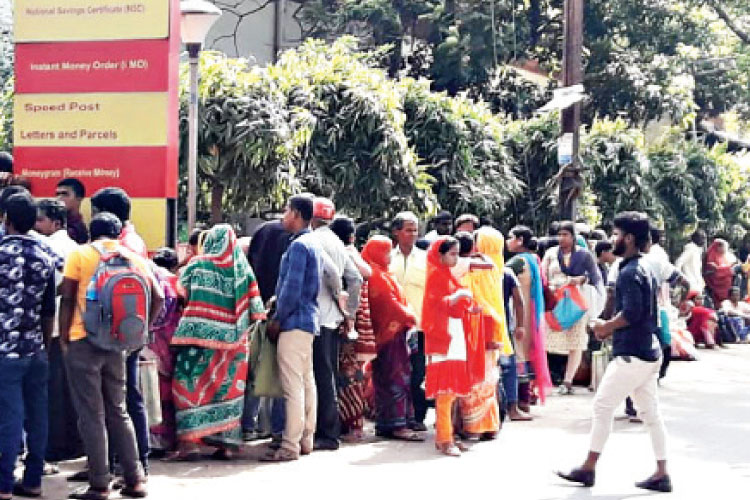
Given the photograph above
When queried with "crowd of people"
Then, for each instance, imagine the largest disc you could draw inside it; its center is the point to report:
(314, 325)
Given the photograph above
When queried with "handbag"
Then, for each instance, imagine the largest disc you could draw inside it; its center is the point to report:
(264, 367)
(570, 308)
(148, 380)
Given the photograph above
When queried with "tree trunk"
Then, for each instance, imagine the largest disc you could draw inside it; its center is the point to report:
(217, 196)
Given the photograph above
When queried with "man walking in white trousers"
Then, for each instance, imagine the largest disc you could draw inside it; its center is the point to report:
(635, 369)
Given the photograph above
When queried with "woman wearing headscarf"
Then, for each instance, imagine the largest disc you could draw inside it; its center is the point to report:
(718, 270)
(480, 409)
(211, 339)
(565, 265)
(449, 317)
(392, 320)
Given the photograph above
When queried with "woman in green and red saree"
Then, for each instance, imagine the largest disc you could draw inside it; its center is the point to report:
(211, 365)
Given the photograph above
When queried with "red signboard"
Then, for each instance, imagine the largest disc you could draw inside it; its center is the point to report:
(122, 66)
(137, 170)
(116, 76)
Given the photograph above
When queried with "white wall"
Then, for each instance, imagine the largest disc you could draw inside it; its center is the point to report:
(253, 22)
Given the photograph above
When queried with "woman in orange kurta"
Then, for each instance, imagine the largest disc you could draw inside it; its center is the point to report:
(448, 313)
(392, 320)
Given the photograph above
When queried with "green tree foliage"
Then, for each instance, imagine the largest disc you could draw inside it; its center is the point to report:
(248, 142)
(461, 143)
(644, 60)
(319, 120)
(532, 145)
(676, 181)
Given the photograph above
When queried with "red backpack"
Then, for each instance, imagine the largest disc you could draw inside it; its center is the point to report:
(118, 300)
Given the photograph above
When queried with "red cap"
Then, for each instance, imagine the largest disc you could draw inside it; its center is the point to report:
(323, 208)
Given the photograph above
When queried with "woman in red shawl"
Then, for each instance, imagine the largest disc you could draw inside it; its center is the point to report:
(448, 314)
(718, 270)
(392, 320)
(703, 322)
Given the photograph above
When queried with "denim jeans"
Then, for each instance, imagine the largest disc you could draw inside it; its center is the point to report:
(137, 409)
(278, 416)
(509, 378)
(23, 406)
(260, 413)
(251, 411)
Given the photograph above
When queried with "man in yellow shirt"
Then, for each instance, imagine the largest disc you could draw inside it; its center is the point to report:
(97, 377)
(409, 265)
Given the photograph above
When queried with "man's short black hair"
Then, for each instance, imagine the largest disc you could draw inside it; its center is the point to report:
(635, 223)
(6, 162)
(113, 200)
(568, 226)
(302, 203)
(655, 234)
(554, 228)
(344, 228)
(105, 225)
(54, 210)
(465, 242)
(463, 219)
(601, 247)
(20, 211)
(698, 237)
(443, 215)
(166, 258)
(77, 186)
(8, 192)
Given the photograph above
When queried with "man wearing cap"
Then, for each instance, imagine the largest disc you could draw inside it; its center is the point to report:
(335, 314)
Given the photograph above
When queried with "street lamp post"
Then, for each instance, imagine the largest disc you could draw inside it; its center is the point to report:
(197, 17)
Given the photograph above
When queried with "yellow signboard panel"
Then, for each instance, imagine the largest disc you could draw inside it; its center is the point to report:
(90, 20)
(91, 120)
(149, 215)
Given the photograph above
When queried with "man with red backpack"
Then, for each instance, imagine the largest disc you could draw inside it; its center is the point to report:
(117, 202)
(112, 281)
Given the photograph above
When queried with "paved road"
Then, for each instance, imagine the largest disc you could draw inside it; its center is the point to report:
(707, 412)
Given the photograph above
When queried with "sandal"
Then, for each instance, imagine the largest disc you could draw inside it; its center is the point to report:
(223, 455)
(81, 476)
(449, 449)
(179, 456)
(88, 493)
(407, 435)
(137, 490)
(462, 447)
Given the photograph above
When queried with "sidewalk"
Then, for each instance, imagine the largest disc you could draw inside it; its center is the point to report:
(705, 404)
